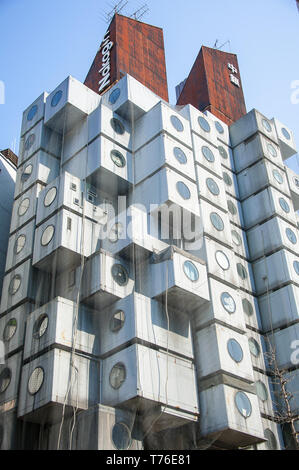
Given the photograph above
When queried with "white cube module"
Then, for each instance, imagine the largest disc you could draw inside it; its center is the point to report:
(280, 307)
(10, 379)
(264, 392)
(70, 102)
(251, 310)
(222, 129)
(210, 187)
(200, 124)
(34, 113)
(24, 208)
(235, 211)
(20, 245)
(230, 183)
(126, 380)
(12, 328)
(245, 275)
(52, 324)
(227, 156)
(207, 155)
(215, 223)
(250, 124)
(163, 150)
(285, 343)
(273, 436)
(239, 239)
(106, 279)
(40, 138)
(285, 139)
(145, 319)
(293, 180)
(45, 382)
(17, 286)
(258, 347)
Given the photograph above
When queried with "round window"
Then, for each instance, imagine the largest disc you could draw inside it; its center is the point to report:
(117, 321)
(247, 307)
(177, 123)
(271, 443)
(32, 112)
(191, 271)
(213, 186)
(296, 181)
(277, 176)
(24, 206)
(183, 190)
(272, 150)
(296, 267)
(217, 222)
(219, 127)
(47, 235)
(117, 126)
(121, 436)
(208, 154)
(5, 379)
(15, 284)
(118, 159)
(242, 271)
(237, 240)
(19, 244)
(29, 142)
(114, 96)
(204, 124)
(36, 380)
(120, 274)
(291, 236)
(50, 196)
(231, 207)
(180, 155)
(115, 232)
(227, 179)
(286, 133)
(10, 329)
(243, 404)
(254, 347)
(117, 376)
(27, 173)
(228, 302)
(235, 350)
(261, 391)
(266, 125)
(223, 152)
(56, 98)
(284, 205)
(222, 260)
(40, 326)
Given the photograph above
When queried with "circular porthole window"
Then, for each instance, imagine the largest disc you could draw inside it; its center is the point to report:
(272, 150)
(296, 181)
(277, 176)
(56, 98)
(50, 196)
(19, 244)
(177, 123)
(117, 321)
(117, 126)
(217, 222)
(10, 330)
(223, 152)
(115, 232)
(15, 284)
(231, 207)
(208, 154)
(261, 391)
(114, 95)
(191, 271)
(227, 179)
(180, 155)
(219, 127)
(284, 205)
(243, 404)
(296, 267)
(286, 133)
(120, 274)
(32, 112)
(117, 376)
(237, 240)
(291, 236)
(212, 186)
(29, 142)
(247, 307)
(5, 379)
(47, 235)
(266, 125)
(234, 349)
(222, 260)
(27, 173)
(254, 347)
(183, 190)
(228, 302)
(204, 124)
(271, 443)
(24, 206)
(121, 436)
(40, 326)
(242, 271)
(36, 380)
(118, 159)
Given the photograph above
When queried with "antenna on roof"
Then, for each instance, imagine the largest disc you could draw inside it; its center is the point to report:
(138, 14)
(117, 7)
(222, 45)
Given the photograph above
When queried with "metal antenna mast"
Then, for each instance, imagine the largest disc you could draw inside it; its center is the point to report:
(138, 14)
(117, 8)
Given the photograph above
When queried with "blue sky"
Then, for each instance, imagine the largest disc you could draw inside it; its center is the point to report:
(45, 41)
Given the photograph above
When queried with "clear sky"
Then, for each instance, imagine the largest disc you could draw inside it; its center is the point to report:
(44, 41)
